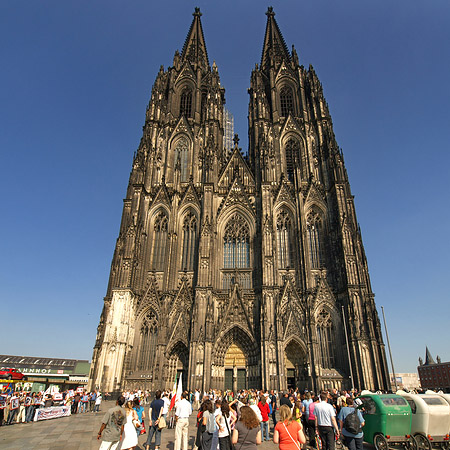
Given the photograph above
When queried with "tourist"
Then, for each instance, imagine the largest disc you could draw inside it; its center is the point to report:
(264, 408)
(312, 422)
(285, 400)
(130, 439)
(165, 399)
(200, 427)
(209, 422)
(273, 404)
(154, 414)
(182, 413)
(247, 431)
(197, 400)
(288, 433)
(254, 406)
(297, 411)
(141, 416)
(98, 402)
(352, 440)
(305, 409)
(326, 422)
(224, 424)
(112, 424)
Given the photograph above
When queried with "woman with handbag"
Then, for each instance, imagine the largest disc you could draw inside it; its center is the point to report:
(288, 433)
(130, 439)
(223, 420)
(247, 431)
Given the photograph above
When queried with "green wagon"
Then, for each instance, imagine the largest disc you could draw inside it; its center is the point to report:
(387, 421)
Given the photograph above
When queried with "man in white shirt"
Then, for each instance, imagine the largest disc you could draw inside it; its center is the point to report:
(325, 422)
(182, 412)
(197, 399)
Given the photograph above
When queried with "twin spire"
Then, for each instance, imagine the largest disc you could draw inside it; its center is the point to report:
(194, 48)
(274, 49)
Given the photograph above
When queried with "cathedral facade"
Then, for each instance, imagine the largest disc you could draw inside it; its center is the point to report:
(236, 270)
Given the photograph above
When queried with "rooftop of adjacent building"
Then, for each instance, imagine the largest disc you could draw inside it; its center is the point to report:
(29, 362)
(429, 361)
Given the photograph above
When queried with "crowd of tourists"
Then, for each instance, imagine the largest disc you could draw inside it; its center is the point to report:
(243, 420)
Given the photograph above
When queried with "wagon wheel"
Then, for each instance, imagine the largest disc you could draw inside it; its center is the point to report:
(380, 442)
(411, 443)
(423, 442)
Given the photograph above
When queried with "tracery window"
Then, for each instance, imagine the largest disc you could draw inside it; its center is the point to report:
(313, 225)
(182, 157)
(160, 229)
(236, 243)
(325, 339)
(292, 150)
(186, 103)
(189, 240)
(285, 241)
(286, 101)
(147, 343)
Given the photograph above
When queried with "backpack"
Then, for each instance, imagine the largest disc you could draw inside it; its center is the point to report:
(352, 423)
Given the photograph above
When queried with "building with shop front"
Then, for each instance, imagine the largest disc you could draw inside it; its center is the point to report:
(41, 372)
(235, 269)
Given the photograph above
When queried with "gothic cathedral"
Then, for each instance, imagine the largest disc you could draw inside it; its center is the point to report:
(237, 270)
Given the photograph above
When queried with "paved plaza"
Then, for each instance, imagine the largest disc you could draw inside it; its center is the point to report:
(80, 432)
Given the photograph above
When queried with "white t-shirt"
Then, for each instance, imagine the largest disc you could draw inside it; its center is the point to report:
(166, 405)
(184, 409)
(223, 425)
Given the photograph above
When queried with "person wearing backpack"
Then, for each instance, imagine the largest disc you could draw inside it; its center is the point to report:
(351, 422)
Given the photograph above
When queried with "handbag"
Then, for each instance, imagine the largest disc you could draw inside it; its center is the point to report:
(161, 423)
(136, 423)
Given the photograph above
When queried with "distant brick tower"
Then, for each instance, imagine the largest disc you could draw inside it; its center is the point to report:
(234, 270)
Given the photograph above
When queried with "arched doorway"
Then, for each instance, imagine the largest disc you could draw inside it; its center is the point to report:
(296, 366)
(236, 361)
(178, 360)
(235, 366)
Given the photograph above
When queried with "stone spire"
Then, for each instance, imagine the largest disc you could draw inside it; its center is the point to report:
(275, 49)
(428, 358)
(194, 48)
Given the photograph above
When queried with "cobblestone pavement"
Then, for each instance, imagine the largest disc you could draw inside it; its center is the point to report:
(80, 432)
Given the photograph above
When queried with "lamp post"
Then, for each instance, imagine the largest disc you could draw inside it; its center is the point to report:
(348, 348)
(390, 353)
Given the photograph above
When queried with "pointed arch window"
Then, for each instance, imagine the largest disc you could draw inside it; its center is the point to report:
(325, 339)
(292, 150)
(160, 229)
(147, 341)
(313, 225)
(182, 158)
(286, 101)
(285, 241)
(186, 103)
(236, 243)
(189, 240)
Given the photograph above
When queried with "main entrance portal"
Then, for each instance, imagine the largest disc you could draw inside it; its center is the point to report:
(235, 365)
(236, 361)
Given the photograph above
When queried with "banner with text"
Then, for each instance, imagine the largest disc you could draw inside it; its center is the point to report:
(51, 413)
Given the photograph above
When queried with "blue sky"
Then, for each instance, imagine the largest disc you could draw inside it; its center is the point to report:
(75, 81)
